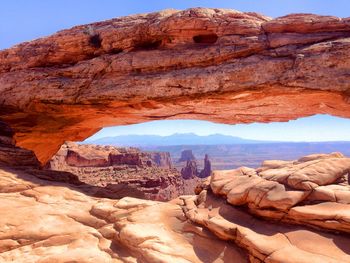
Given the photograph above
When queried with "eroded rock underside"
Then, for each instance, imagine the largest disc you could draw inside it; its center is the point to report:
(210, 64)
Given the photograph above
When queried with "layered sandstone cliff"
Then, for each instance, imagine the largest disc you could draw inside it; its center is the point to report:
(211, 64)
(90, 155)
(191, 169)
(150, 174)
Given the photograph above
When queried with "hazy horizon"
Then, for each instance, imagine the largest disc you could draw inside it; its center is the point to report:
(89, 140)
(317, 128)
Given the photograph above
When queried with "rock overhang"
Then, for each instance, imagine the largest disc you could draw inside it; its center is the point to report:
(209, 64)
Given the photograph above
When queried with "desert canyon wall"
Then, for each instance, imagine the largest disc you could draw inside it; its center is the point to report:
(136, 173)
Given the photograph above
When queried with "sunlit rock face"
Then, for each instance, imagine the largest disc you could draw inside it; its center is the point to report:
(284, 211)
(295, 211)
(55, 222)
(313, 190)
(90, 155)
(209, 64)
(12, 155)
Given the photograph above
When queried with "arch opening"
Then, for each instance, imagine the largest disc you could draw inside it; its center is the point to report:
(175, 155)
(65, 87)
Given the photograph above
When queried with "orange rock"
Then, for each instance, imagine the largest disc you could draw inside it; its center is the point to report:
(55, 221)
(124, 170)
(209, 64)
(308, 191)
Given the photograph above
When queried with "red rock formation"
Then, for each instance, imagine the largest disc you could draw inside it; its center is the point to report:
(53, 221)
(148, 174)
(210, 64)
(206, 172)
(161, 159)
(73, 158)
(190, 170)
(12, 155)
(309, 193)
(313, 190)
(186, 155)
(57, 222)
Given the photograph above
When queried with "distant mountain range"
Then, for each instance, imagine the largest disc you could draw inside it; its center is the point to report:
(175, 139)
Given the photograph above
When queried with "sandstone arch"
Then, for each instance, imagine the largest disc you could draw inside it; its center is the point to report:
(210, 64)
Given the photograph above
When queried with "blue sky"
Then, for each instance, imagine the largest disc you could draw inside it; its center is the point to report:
(314, 128)
(24, 20)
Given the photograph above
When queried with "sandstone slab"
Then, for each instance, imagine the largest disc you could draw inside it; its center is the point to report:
(57, 222)
(312, 190)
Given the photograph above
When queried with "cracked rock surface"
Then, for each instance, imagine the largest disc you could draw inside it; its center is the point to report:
(262, 219)
(284, 211)
(54, 222)
(265, 241)
(210, 64)
(313, 190)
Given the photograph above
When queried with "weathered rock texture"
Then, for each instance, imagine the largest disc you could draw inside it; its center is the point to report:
(12, 155)
(55, 222)
(115, 168)
(47, 221)
(210, 64)
(90, 155)
(310, 193)
(313, 190)
(191, 169)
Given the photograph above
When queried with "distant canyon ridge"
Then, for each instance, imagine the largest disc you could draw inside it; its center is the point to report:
(225, 152)
(126, 171)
